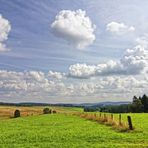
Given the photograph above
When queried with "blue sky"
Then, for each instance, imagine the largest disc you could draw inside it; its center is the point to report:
(75, 63)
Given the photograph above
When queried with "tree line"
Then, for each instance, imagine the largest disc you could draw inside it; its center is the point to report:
(138, 105)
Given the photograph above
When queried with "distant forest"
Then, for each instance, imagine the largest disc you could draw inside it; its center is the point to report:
(138, 105)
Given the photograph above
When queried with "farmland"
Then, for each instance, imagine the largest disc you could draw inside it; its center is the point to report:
(66, 130)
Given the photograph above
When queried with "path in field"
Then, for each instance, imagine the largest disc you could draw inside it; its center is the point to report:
(61, 131)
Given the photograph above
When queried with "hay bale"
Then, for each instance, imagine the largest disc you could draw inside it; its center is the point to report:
(54, 112)
(17, 113)
(46, 111)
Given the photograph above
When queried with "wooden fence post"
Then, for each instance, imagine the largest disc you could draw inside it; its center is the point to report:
(100, 115)
(95, 115)
(120, 119)
(104, 116)
(130, 122)
(112, 117)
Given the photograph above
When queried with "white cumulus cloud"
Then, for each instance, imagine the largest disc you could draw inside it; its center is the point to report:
(5, 28)
(56, 75)
(119, 28)
(134, 62)
(74, 27)
(82, 70)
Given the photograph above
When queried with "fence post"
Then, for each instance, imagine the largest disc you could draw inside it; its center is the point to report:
(100, 115)
(95, 115)
(130, 122)
(104, 116)
(120, 119)
(112, 117)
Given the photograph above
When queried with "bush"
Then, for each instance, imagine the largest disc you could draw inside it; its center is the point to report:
(46, 111)
(17, 113)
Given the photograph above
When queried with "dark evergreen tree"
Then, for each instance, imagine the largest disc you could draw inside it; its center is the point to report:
(144, 101)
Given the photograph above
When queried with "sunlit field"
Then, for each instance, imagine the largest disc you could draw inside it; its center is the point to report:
(8, 111)
(73, 74)
(67, 130)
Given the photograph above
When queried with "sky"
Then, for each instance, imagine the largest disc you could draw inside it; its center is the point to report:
(72, 51)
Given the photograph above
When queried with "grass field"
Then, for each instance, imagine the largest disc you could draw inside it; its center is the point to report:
(64, 131)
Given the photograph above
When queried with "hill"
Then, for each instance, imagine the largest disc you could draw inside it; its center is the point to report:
(64, 104)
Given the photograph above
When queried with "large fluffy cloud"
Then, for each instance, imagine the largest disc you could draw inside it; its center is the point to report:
(119, 28)
(5, 28)
(134, 61)
(74, 27)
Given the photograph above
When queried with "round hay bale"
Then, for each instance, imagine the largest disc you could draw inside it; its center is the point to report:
(46, 111)
(54, 112)
(17, 113)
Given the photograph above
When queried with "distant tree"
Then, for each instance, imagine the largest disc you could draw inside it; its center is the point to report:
(140, 98)
(136, 105)
(91, 109)
(122, 108)
(135, 98)
(144, 101)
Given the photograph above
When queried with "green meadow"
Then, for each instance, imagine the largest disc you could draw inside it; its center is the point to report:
(69, 131)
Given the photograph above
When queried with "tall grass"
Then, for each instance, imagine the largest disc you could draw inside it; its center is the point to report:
(105, 118)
